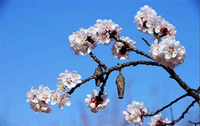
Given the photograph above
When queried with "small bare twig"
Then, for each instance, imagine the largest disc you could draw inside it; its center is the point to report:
(159, 110)
(97, 60)
(146, 42)
(182, 116)
(195, 123)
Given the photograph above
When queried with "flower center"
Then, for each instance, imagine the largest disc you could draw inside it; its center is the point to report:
(89, 39)
(68, 80)
(164, 31)
(123, 49)
(159, 122)
(45, 96)
(103, 36)
(171, 50)
(97, 100)
(85, 47)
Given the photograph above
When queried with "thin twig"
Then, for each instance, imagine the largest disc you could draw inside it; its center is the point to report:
(195, 123)
(97, 60)
(159, 110)
(146, 42)
(182, 116)
(103, 85)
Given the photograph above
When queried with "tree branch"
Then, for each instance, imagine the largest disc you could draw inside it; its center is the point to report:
(146, 42)
(190, 91)
(159, 110)
(195, 123)
(135, 63)
(182, 116)
(97, 60)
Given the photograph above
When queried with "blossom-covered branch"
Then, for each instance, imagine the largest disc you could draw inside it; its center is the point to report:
(166, 52)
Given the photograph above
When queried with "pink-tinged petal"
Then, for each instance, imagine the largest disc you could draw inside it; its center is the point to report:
(87, 100)
(92, 105)
(125, 113)
(94, 110)
(94, 93)
(61, 105)
(68, 103)
(53, 102)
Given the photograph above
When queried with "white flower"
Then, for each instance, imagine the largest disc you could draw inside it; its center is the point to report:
(44, 94)
(83, 41)
(156, 120)
(134, 112)
(61, 87)
(153, 25)
(55, 97)
(143, 16)
(39, 98)
(119, 50)
(95, 102)
(103, 30)
(168, 52)
(165, 28)
(69, 79)
(40, 106)
(63, 100)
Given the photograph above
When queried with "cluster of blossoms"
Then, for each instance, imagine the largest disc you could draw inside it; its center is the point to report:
(168, 52)
(148, 22)
(136, 110)
(165, 49)
(39, 98)
(157, 121)
(134, 113)
(96, 102)
(104, 31)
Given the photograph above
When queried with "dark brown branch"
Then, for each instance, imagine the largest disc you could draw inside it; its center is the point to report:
(159, 110)
(146, 42)
(103, 85)
(97, 60)
(130, 48)
(170, 71)
(182, 116)
(195, 123)
(190, 91)
(109, 70)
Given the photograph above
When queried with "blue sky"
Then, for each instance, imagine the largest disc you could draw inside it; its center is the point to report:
(35, 49)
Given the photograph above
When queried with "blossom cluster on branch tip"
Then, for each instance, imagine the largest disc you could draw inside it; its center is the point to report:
(156, 120)
(39, 98)
(96, 102)
(165, 49)
(168, 52)
(134, 113)
(148, 22)
(84, 40)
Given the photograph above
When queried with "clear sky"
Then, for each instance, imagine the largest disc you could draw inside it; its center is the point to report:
(35, 49)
